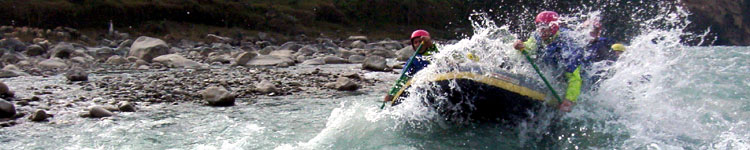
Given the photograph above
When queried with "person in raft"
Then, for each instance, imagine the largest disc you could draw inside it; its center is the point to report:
(420, 39)
(558, 49)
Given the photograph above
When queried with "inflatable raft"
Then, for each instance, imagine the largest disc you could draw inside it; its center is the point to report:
(468, 94)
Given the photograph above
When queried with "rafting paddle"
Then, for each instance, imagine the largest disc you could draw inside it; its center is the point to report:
(542, 76)
(406, 67)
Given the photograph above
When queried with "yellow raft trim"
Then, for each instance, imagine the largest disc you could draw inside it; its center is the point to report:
(483, 79)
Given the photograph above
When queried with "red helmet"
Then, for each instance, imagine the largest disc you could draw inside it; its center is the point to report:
(419, 33)
(548, 19)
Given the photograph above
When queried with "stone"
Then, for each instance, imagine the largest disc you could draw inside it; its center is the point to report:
(12, 73)
(218, 96)
(53, 63)
(267, 50)
(315, 61)
(244, 57)
(99, 112)
(221, 58)
(357, 58)
(13, 44)
(343, 84)
(116, 59)
(375, 63)
(266, 87)
(283, 53)
(294, 46)
(177, 61)
(35, 50)
(218, 39)
(12, 67)
(102, 53)
(405, 53)
(12, 58)
(38, 116)
(7, 109)
(62, 50)
(126, 106)
(307, 51)
(358, 44)
(126, 43)
(335, 60)
(79, 60)
(357, 38)
(343, 53)
(148, 48)
(381, 52)
(269, 60)
(77, 74)
(143, 67)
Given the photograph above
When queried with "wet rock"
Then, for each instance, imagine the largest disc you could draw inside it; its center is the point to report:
(116, 59)
(218, 96)
(13, 44)
(266, 87)
(177, 61)
(99, 112)
(244, 57)
(293, 46)
(315, 61)
(375, 63)
(62, 50)
(39, 115)
(357, 44)
(405, 53)
(335, 60)
(126, 106)
(343, 84)
(52, 63)
(357, 58)
(35, 50)
(77, 74)
(7, 109)
(148, 48)
(381, 52)
(269, 60)
(398, 65)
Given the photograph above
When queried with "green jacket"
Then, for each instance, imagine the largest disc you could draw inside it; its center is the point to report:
(552, 54)
(418, 63)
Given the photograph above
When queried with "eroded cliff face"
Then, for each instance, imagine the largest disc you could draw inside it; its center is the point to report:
(729, 19)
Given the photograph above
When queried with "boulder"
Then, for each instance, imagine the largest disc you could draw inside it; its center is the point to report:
(102, 53)
(316, 61)
(79, 60)
(77, 74)
(269, 60)
(358, 44)
(148, 48)
(13, 44)
(405, 53)
(12, 58)
(283, 53)
(99, 112)
(343, 84)
(244, 57)
(357, 38)
(126, 43)
(7, 109)
(381, 52)
(126, 106)
(12, 73)
(307, 50)
(177, 61)
(12, 67)
(266, 87)
(375, 63)
(291, 46)
(218, 96)
(35, 50)
(343, 53)
(356, 58)
(53, 63)
(335, 60)
(116, 59)
(267, 50)
(218, 39)
(221, 58)
(39, 115)
(62, 50)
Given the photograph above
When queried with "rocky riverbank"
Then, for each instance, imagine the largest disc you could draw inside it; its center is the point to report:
(56, 73)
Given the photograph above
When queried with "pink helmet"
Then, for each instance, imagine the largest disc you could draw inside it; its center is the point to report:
(419, 33)
(548, 18)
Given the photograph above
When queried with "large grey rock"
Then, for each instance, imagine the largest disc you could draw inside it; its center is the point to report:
(343, 84)
(266, 87)
(7, 109)
(269, 60)
(357, 38)
(294, 46)
(267, 50)
(12, 58)
(335, 60)
(218, 39)
(375, 63)
(218, 96)
(221, 58)
(53, 63)
(405, 53)
(177, 61)
(315, 61)
(283, 53)
(13, 44)
(62, 50)
(5, 91)
(126, 106)
(357, 58)
(77, 74)
(12, 73)
(116, 59)
(35, 50)
(244, 57)
(126, 43)
(99, 112)
(344, 53)
(39, 115)
(148, 48)
(358, 44)
(12, 67)
(101, 53)
(307, 50)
